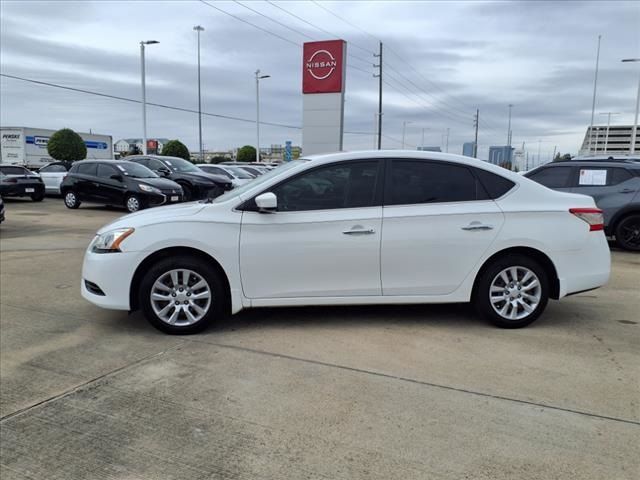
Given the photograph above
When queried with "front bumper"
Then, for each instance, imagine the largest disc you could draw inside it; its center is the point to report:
(165, 198)
(112, 273)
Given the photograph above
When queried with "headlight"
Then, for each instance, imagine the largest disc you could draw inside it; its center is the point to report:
(147, 188)
(109, 242)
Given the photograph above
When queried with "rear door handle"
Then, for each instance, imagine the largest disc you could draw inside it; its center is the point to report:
(477, 226)
(359, 232)
(627, 190)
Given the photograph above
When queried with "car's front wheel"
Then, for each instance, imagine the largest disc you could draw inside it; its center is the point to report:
(71, 199)
(181, 295)
(37, 197)
(512, 292)
(628, 232)
(133, 203)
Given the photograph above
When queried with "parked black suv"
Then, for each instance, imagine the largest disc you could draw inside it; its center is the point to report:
(613, 184)
(119, 183)
(195, 183)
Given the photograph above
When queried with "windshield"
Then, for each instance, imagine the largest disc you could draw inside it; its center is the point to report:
(258, 181)
(238, 172)
(180, 165)
(135, 170)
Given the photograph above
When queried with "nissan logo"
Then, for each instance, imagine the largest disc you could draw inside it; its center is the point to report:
(321, 64)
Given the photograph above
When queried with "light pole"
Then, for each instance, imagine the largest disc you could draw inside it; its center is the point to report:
(144, 93)
(595, 85)
(404, 128)
(199, 29)
(509, 127)
(447, 147)
(423, 129)
(258, 78)
(606, 138)
(634, 129)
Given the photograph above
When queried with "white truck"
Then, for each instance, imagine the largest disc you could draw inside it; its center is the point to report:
(28, 146)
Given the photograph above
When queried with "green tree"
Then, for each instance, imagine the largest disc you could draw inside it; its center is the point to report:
(246, 154)
(67, 146)
(218, 159)
(175, 148)
(562, 158)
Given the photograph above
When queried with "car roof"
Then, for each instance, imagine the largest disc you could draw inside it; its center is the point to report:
(594, 163)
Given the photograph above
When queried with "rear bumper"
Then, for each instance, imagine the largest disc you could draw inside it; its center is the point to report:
(19, 189)
(584, 269)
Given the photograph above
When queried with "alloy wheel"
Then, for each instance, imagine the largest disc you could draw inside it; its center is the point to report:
(70, 199)
(515, 293)
(630, 233)
(180, 297)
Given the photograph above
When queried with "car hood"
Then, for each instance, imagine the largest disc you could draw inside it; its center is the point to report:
(154, 215)
(203, 176)
(161, 183)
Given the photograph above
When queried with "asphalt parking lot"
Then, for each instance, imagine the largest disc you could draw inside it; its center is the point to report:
(411, 392)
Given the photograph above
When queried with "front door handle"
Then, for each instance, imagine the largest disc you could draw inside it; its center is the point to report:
(627, 190)
(359, 232)
(477, 226)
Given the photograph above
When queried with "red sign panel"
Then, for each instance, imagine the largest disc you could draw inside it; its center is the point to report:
(152, 146)
(322, 66)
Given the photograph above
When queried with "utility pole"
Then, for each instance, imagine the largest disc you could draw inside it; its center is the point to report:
(447, 147)
(539, 142)
(555, 147)
(595, 85)
(476, 121)
(422, 144)
(144, 92)
(379, 76)
(606, 138)
(199, 29)
(404, 128)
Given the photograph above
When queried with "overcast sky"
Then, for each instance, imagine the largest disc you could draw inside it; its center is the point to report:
(442, 61)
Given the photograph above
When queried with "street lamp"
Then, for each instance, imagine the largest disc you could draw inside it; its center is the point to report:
(509, 127)
(144, 94)
(258, 78)
(635, 121)
(404, 128)
(199, 29)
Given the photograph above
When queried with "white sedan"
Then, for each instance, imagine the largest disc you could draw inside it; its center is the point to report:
(52, 175)
(377, 227)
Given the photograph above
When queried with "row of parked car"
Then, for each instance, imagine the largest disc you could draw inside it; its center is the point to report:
(138, 182)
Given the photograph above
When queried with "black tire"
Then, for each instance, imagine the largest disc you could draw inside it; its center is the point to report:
(133, 203)
(37, 197)
(482, 301)
(628, 232)
(71, 199)
(187, 192)
(216, 307)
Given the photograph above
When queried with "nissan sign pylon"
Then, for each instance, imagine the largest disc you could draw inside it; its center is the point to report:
(323, 82)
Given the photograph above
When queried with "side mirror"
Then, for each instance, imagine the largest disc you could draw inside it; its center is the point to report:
(164, 171)
(267, 202)
(116, 177)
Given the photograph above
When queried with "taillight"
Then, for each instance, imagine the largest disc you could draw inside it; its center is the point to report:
(593, 216)
(10, 180)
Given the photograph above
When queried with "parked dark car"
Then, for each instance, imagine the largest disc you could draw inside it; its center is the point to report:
(17, 181)
(613, 184)
(195, 183)
(118, 183)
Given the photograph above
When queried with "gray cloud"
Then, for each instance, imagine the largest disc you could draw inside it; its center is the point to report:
(462, 56)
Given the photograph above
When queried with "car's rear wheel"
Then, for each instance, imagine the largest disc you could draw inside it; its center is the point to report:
(37, 197)
(182, 295)
(71, 199)
(133, 203)
(512, 292)
(628, 232)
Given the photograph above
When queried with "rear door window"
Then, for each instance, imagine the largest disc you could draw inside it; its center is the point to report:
(553, 177)
(105, 171)
(416, 182)
(87, 169)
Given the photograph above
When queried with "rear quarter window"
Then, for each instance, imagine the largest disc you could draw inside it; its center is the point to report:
(495, 185)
